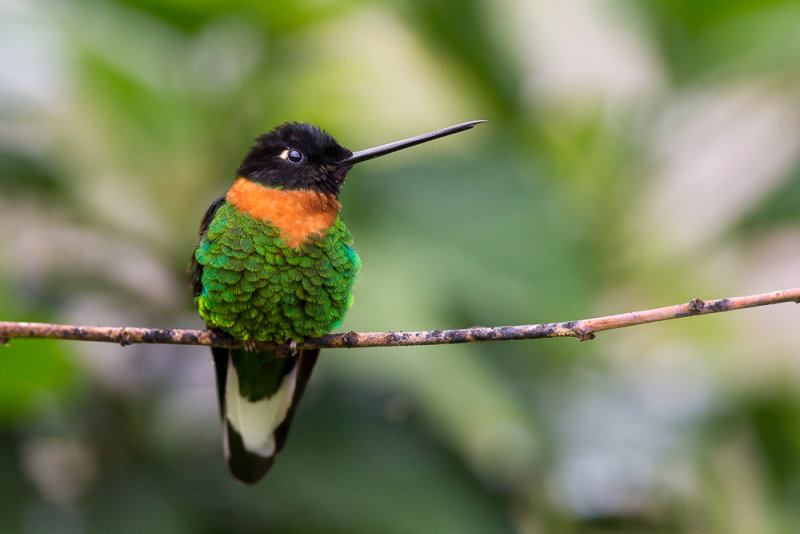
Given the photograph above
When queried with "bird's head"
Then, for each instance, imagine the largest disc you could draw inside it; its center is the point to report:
(297, 155)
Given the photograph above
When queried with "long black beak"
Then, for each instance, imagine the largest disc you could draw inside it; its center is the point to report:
(364, 155)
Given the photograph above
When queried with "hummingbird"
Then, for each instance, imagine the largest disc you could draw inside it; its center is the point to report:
(275, 263)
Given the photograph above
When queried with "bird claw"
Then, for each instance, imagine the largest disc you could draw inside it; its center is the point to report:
(288, 349)
(249, 345)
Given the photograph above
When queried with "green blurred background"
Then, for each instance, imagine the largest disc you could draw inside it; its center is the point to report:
(637, 154)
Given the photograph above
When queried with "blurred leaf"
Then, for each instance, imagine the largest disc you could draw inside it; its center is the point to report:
(38, 367)
(276, 16)
(776, 423)
(30, 368)
(23, 174)
(702, 39)
(780, 208)
(461, 32)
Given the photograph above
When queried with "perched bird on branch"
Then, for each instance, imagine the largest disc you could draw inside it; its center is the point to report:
(275, 263)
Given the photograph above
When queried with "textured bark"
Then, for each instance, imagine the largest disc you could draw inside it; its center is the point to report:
(583, 329)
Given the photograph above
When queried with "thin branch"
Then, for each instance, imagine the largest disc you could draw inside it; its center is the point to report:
(583, 329)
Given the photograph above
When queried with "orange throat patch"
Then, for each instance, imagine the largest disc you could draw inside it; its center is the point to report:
(297, 214)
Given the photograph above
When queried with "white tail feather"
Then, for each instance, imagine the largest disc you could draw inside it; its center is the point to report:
(256, 421)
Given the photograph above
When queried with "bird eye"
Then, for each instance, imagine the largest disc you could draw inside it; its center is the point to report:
(294, 155)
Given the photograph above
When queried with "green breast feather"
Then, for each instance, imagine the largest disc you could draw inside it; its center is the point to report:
(256, 287)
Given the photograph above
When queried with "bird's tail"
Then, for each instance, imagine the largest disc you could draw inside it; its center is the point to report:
(258, 394)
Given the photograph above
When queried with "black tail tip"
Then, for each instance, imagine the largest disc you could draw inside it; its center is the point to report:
(245, 466)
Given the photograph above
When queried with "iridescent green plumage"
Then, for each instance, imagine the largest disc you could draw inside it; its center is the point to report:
(255, 285)
(258, 288)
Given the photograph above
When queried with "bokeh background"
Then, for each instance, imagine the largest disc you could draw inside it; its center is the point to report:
(637, 154)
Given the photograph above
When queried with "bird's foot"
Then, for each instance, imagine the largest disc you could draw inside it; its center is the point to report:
(288, 349)
(249, 346)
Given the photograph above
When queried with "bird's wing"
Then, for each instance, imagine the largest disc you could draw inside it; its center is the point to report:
(196, 269)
